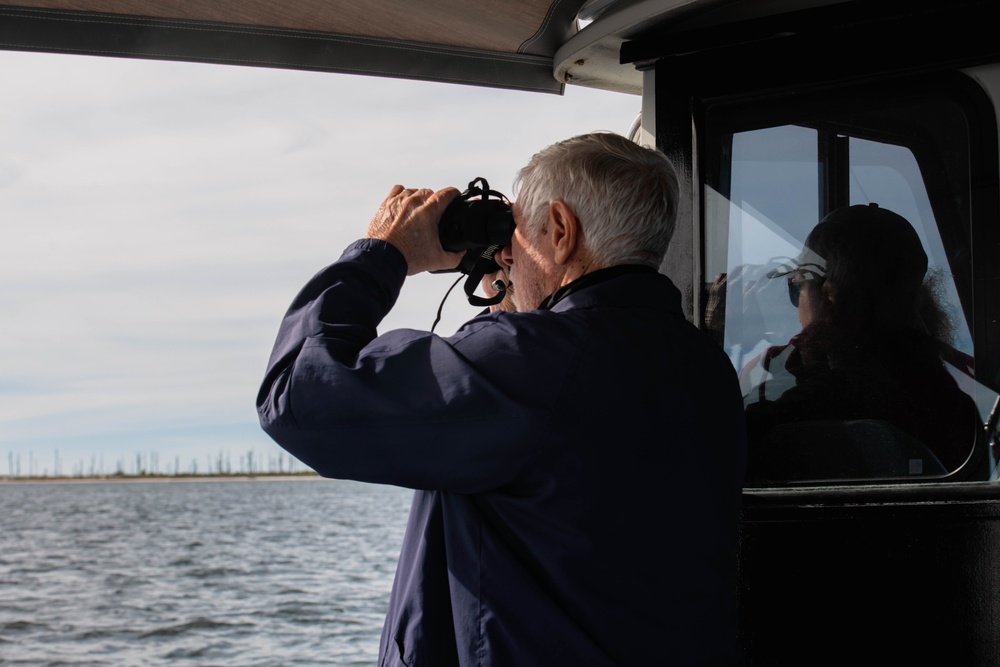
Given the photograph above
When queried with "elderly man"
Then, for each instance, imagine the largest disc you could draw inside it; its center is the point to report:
(578, 462)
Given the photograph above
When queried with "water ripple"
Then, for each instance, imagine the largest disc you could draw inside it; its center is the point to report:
(260, 574)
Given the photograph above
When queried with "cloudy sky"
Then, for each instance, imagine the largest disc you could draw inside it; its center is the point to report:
(158, 218)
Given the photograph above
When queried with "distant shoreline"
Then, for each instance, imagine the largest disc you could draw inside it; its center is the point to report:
(119, 479)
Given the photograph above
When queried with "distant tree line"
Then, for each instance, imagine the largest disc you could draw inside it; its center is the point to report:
(148, 464)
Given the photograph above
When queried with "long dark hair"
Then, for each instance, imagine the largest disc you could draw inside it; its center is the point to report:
(876, 282)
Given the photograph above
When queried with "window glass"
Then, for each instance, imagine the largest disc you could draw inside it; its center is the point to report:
(772, 197)
(835, 285)
(893, 173)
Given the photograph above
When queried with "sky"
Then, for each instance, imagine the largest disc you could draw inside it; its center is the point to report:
(159, 217)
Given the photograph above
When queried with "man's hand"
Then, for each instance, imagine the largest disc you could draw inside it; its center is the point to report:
(408, 219)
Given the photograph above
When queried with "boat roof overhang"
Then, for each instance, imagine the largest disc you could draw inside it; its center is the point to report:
(534, 45)
(494, 43)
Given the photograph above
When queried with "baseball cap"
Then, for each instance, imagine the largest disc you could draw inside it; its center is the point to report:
(870, 228)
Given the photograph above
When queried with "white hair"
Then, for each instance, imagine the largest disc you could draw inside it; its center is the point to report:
(624, 195)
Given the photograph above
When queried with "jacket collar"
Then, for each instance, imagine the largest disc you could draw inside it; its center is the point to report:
(623, 285)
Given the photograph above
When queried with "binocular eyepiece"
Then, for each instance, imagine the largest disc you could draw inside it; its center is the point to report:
(479, 221)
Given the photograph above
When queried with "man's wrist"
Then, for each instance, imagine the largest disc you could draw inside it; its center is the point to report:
(378, 251)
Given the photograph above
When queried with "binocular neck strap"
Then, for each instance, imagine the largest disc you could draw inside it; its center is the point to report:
(484, 264)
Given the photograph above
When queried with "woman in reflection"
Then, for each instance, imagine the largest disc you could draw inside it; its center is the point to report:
(869, 347)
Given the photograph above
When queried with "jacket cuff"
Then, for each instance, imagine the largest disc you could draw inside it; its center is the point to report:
(382, 253)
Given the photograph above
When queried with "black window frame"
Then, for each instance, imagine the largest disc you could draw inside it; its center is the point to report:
(967, 222)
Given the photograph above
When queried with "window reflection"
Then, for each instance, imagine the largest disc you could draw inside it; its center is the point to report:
(861, 391)
(853, 349)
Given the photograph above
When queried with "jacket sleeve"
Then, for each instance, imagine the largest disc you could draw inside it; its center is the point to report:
(407, 408)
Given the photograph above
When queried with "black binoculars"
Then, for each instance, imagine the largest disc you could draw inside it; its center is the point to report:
(480, 221)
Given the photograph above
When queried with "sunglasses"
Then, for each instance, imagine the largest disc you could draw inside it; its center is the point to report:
(796, 281)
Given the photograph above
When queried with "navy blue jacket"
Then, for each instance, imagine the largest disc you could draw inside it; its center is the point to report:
(578, 468)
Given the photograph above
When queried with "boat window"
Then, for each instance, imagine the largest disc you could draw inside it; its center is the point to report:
(838, 279)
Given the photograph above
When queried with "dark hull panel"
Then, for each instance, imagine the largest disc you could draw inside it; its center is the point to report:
(871, 580)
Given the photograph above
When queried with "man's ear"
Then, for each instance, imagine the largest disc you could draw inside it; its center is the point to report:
(565, 231)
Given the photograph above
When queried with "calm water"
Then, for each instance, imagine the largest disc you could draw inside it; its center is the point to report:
(227, 573)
